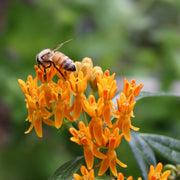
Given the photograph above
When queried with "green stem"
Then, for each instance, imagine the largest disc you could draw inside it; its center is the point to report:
(92, 92)
(85, 118)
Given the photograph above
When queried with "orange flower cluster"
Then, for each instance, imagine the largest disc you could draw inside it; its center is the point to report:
(66, 99)
(154, 174)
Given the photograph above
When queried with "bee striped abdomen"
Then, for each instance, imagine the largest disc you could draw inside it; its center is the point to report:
(63, 61)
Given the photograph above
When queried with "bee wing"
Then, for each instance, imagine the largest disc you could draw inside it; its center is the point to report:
(59, 45)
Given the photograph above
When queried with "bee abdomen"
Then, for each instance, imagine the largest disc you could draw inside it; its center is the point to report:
(63, 61)
(68, 64)
(72, 67)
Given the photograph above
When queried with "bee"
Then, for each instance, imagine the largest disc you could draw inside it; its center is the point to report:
(48, 57)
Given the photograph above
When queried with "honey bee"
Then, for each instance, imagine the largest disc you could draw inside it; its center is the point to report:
(48, 57)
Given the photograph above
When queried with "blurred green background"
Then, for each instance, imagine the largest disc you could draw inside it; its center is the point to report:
(133, 38)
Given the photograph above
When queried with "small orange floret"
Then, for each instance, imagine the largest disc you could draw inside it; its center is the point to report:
(120, 176)
(83, 137)
(85, 174)
(111, 140)
(156, 173)
(125, 112)
(106, 85)
(78, 86)
(131, 88)
(37, 113)
(44, 76)
(110, 161)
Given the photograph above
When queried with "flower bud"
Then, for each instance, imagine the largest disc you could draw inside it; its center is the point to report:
(86, 67)
(95, 71)
(78, 68)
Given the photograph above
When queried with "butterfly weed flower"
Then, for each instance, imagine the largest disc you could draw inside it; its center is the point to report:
(78, 86)
(94, 110)
(131, 88)
(53, 99)
(46, 79)
(125, 112)
(44, 75)
(86, 175)
(35, 104)
(157, 174)
(107, 89)
(37, 113)
(112, 141)
(28, 86)
(83, 137)
(61, 99)
(125, 106)
(120, 176)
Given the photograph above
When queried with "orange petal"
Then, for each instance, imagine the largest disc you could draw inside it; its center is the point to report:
(49, 122)
(159, 167)
(118, 140)
(113, 167)
(89, 157)
(77, 107)
(23, 85)
(131, 178)
(98, 132)
(84, 171)
(67, 112)
(73, 131)
(104, 166)
(77, 176)
(138, 89)
(30, 128)
(91, 174)
(38, 125)
(59, 115)
(120, 176)
(120, 163)
(126, 130)
(98, 154)
(151, 171)
(134, 128)
(74, 139)
(112, 143)
(166, 174)
(107, 114)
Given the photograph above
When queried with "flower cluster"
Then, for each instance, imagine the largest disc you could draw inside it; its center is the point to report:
(51, 102)
(154, 174)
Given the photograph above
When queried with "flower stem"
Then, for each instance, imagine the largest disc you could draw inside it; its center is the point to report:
(85, 118)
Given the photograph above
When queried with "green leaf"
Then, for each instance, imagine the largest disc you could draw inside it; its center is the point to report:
(65, 172)
(144, 94)
(166, 146)
(142, 153)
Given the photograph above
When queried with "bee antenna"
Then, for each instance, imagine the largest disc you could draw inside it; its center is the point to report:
(59, 45)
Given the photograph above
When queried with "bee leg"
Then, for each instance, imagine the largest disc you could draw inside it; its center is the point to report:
(45, 77)
(46, 67)
(58, 70)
